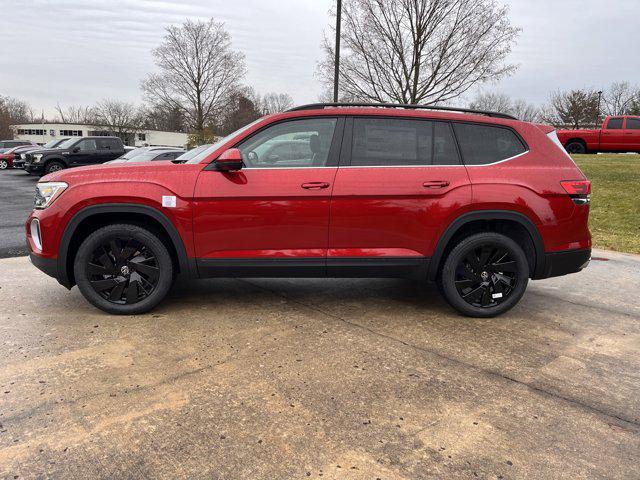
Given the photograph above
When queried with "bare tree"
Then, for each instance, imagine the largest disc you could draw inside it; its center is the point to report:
(619, 98)
(419, 51)
(576, 108)
(198, 72)
(119, 118)
(76, 114)
(501, 102)
(161, 118)
(12, 111)
(276, 103)
(526, 112)
(492, 102)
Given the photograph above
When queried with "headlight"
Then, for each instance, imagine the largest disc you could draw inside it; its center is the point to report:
(47, 192)
(37, 157)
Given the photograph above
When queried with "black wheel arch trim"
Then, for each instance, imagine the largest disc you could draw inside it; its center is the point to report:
(466, 218)
(187, 266)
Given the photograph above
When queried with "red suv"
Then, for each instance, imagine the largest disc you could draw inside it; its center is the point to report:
(475, 201)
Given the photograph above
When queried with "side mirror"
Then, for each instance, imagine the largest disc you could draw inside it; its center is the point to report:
(229, 161)
(75, 149)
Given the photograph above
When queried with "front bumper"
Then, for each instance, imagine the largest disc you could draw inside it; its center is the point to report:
(566, 262)
(47, 265)
(18, 164)
(34, 167)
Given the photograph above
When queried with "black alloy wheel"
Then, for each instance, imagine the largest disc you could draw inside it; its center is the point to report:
(484, 275)
(123, 269)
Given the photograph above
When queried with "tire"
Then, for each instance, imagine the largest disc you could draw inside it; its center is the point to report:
(4, 164)
(53, 167)
(484, 275)
(123, 269)
(576, 148)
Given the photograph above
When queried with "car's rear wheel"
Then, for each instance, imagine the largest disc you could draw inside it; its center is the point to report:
(4, 164)
(484, 275)
(123, 269)
(53, 167)
(576, 148)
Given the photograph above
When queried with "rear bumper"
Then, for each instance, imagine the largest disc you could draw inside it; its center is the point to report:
(557, 264)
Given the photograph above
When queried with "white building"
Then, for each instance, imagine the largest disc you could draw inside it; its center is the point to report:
(44, 132)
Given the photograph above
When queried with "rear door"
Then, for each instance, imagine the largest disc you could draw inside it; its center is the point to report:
(399, 180)
(632, 133)
(108, 149)
(613, 138)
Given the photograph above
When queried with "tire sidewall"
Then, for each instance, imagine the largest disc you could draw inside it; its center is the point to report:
(4, 164)
(447, 278)
(581, 150)
(48, 170)
(140, 234)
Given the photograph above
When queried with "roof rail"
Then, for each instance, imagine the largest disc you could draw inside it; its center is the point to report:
(317, 106)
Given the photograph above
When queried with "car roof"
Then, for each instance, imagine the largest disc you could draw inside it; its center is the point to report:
(370, 110)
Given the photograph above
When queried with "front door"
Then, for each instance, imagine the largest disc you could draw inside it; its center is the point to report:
(398, 182)
(272, 217)
(83, 153)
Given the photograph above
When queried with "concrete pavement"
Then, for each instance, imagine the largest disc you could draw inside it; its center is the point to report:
(357, 379)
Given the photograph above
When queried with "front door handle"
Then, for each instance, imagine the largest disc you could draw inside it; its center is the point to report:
(436, 184)
(315, 185)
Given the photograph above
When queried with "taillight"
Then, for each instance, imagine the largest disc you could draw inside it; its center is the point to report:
(578, 190)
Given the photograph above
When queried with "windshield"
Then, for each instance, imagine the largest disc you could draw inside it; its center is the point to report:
(205, 153)
(146, 156)
(51, 144)
(133, 153)
(193, 152)
(67, 143)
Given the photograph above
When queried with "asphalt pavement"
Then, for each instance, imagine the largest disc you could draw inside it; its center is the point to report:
(17, 190)
(349, 379)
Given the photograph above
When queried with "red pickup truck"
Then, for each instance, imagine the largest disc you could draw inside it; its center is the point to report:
(618, 134)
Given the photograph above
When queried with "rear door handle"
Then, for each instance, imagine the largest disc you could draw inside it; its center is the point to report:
(436, 184)
(315, 185)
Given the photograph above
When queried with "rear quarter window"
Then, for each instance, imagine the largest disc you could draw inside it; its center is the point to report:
(486, 144)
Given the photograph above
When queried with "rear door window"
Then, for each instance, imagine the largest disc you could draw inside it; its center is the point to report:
(633, 123)
(389, 142)
(485, 144)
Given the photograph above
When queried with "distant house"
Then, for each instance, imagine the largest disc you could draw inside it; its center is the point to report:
(44, 132)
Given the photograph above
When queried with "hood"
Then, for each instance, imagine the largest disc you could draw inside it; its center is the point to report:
(44, 151)
(125, 171)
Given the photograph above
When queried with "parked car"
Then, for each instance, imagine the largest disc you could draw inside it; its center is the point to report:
(11, 157)
(618, 134)
(6, 144)
(20, 154)
(75, 152)
(476, 201)
(150, 154)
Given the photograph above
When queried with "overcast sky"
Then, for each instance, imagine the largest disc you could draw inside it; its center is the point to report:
(80, 51)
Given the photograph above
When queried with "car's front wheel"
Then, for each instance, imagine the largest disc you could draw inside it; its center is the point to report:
(484, 275)
(53, 167)
(123, 269)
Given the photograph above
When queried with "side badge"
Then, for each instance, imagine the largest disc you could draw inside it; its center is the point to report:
(169, 201)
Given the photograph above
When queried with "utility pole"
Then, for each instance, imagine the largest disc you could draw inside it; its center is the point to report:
(336, 74)
(599, 100)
